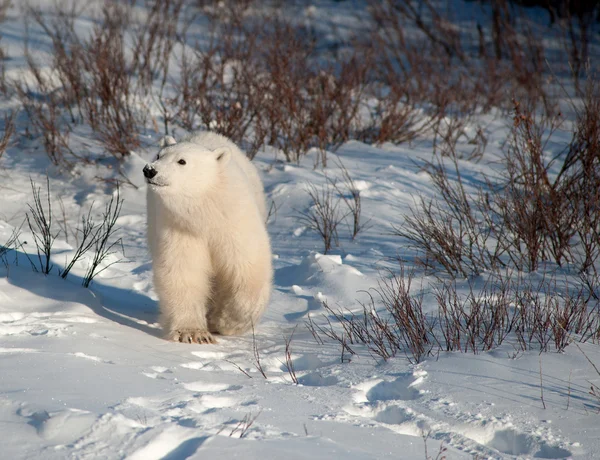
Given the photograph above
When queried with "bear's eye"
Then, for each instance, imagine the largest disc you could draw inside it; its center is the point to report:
(157, 157)
(181, 162)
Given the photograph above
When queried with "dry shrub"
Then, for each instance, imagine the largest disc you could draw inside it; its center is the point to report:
(439, 66)
(263, 78)
(529, 206)
(401, 326)
(545, 315)
(3, 82)
(39, 221)
(43, 107)
(455, 232)
(98, 79)
(324, 216)
(349, 192)
(542, 209)
(215, 89)
(8, 131)
(110, 108)
(95, 239)
(549, 215)
(258, 80)
(4, 5)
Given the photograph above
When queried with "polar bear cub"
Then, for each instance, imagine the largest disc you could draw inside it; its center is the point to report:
(211, 255)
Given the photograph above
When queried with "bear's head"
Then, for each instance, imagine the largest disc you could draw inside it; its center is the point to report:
(185, 169)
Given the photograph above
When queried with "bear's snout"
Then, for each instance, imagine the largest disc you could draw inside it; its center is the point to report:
(149, 172)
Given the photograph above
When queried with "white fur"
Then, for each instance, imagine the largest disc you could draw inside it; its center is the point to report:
(210, 249)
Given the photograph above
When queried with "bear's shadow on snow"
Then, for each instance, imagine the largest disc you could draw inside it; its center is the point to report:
(123, 306)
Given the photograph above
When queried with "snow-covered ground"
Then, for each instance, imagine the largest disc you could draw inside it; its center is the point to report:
(84, 373)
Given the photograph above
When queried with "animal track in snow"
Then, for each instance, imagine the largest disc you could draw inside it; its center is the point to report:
(402, 388)
(173, 443)
(62, 427)
(315, 379)
(157, 372)
(208, 355)
(208, 387)
(548, 451)
(305, 363)
(40, 323)
(382, 400)
(395, 415)
(512, 442)
(91, 358)
(18, 350)
(210, 401)
(11, 316)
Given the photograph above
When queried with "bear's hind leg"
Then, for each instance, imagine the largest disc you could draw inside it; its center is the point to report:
(237, 309)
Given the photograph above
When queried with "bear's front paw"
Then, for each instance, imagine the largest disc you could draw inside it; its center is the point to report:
(192, 336)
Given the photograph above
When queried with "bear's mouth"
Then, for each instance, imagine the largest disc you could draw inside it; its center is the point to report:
(155, 184)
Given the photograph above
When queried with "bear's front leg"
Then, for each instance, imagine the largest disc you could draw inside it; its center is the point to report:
(183, 316)
(192, 336)
(183, 287)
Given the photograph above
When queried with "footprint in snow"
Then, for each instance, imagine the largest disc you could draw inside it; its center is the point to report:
(311, 364)
(403, 388)
(156, 372)
(305, 363)
(512, 442)
(315, 379)
(205, 387)
(394, 415)
(91, 358)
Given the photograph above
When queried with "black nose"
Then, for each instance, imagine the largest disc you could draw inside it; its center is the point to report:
(149, 171)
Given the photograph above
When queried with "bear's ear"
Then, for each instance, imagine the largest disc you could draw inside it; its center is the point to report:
(166, 141)
(223, 155)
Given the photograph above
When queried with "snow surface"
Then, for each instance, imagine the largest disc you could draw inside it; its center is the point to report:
(84, 373)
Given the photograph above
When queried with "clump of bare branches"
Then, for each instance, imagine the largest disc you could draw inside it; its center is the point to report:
(324, 216)
(540, 209)
(454, 232)
(4, 5)
(470, 318)
(264, 78)
(98, 80)
(594, 388)
(96, 237)
(39, 221)
(401, 326)
(352, 202)
(243, 426)
(45, 115)
(530, 202)
(104, 243)
(11, 242)
(289, 362)
(8, 130)
(345, 337)
(103, 81)
(256, 353)
(510, 56)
